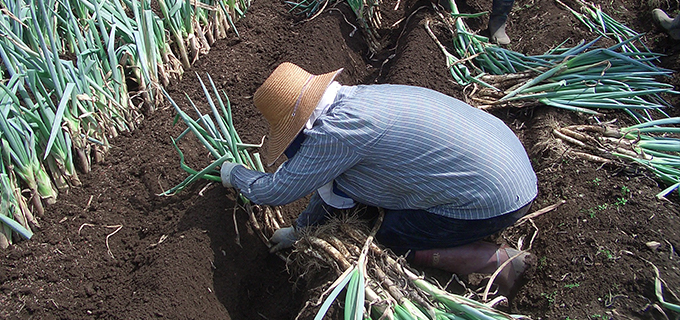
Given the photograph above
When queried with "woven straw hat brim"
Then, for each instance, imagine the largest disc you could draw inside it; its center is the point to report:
(277, 100)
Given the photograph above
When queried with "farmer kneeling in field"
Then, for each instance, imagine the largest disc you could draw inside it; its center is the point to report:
(447, 174)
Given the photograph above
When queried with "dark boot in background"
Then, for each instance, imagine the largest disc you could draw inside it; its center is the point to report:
(497, 21)
(672, 25)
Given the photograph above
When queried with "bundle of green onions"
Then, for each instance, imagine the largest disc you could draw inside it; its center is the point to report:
(310, 8)
(582, 78)
(660, 152)
(217, 134)
(369, 18)
(652, 144)
(597, 21)
(377, 284)
(598, 79)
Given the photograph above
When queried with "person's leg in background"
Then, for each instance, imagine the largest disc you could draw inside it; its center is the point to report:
(498, 20)
(671, 25)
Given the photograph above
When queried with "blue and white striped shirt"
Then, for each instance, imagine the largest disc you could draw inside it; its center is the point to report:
(404, 147)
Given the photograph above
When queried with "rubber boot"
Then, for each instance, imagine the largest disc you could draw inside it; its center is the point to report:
(498, 20)
(662, 19)
(672, 25)
(478, 257)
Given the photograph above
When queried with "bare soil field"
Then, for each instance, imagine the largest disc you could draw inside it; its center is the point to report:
(114, 249)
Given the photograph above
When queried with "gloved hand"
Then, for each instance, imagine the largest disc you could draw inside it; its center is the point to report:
(225, 173)
(283, 239)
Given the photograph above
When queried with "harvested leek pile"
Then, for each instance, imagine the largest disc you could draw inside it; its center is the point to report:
(603, 24)
(65, 71)
(653, 145)
(377, 283)
(583, 78)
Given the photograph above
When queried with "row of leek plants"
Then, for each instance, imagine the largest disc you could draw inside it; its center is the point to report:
(67, 70)
(583, 78)
(601, 23)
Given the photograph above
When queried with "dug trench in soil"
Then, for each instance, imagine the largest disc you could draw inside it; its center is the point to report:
(113, 249)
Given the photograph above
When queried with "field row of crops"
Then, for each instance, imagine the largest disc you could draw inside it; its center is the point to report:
(77, 73)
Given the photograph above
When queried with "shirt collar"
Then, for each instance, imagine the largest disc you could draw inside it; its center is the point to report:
(325, 102)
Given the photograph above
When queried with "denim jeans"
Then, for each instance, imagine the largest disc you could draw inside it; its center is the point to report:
(404, 230)
(501, 8)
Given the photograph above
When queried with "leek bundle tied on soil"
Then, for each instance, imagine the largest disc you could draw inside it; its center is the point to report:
(654, 145)
(377, 283)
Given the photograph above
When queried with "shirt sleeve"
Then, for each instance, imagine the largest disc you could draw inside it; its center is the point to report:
(321, 158)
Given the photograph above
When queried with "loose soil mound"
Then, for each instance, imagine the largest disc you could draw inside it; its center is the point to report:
(114, 249)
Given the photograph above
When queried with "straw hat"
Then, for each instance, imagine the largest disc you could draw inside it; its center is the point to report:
(287, 99)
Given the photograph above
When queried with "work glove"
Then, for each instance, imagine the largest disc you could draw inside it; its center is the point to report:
(283, 238)
(225, 173)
